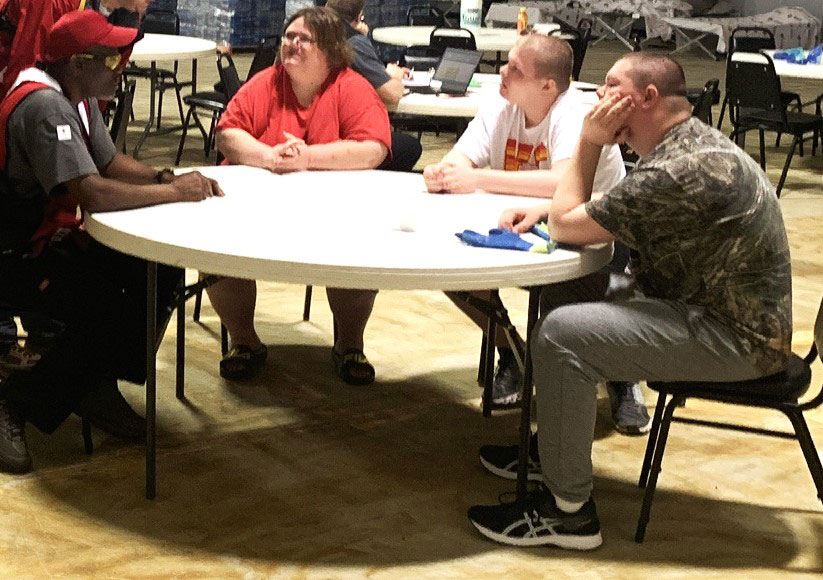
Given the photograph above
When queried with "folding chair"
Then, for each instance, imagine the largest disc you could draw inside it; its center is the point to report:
(780, 392)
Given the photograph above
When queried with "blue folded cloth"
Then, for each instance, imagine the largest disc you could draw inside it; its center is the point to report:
(505, 240)
(800, 56)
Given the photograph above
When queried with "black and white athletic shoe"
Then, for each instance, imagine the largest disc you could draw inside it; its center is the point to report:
(628, 408)
(502, 460)
(537, 521)
(508, 381)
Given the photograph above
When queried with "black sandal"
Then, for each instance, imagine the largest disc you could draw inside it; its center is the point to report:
(353, 367)
(243, 362)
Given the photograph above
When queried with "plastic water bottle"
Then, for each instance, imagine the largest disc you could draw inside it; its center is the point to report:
(470, 13)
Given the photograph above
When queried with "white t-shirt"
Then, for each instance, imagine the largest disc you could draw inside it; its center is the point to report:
(498, 138)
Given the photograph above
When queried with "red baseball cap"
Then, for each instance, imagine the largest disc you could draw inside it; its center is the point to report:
(76, 32)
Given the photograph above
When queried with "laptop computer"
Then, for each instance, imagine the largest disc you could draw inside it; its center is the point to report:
(453, 73)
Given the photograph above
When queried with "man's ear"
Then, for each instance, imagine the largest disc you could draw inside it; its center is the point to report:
(650, 96)
(76, 64)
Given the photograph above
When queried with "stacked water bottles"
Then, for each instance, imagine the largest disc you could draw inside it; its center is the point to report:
(237, 22)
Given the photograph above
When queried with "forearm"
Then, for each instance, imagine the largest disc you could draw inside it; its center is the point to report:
(96, 193)
(347, 155)
(391, 92)
(575, 185)
(240, 148)
(455, 157)
(538, 183)
(125, 168)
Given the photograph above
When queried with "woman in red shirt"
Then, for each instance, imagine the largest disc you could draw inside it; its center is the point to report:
(308, 111)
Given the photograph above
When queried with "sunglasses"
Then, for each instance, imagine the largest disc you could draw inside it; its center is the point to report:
(112, 62)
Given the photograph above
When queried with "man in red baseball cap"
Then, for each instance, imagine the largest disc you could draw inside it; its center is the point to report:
(57, 156)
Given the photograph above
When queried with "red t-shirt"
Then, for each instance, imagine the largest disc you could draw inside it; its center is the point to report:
(346, 107)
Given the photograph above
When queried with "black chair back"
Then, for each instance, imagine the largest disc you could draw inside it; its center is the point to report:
(421, 57)
(122, 114)
(751, 39)
(228, 76)
(753, 86)
(578, 38)
(443, 38)
(703, 106)
(424, 15)
(161, 22)
(264, 55)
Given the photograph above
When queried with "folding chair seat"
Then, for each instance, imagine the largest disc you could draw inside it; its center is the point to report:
(780, 392)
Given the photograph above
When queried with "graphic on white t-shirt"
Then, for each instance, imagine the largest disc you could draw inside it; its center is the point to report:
(524, 157)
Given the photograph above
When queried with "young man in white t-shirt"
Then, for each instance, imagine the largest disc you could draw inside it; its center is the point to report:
(520, 143)
(534, 124)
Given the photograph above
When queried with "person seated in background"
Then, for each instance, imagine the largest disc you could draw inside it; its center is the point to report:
(387, 80)
(25, 24)
(520, 144)
(712, 299)
(309, 111)
(58, 157)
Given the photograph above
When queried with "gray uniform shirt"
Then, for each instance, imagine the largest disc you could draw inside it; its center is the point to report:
(45, 148)
(704, 228)
(366, 62)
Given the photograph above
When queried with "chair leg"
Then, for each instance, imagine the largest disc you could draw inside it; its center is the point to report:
(804, 437)
(160, 90)
(224, 339)
(645, 511)
(88, 442)
(786, 165)
(481, 365)
(183, 134)
(722, 112)
(198, 303)
(307, 303)
(654, 433)
(762, 135)
(180, 358)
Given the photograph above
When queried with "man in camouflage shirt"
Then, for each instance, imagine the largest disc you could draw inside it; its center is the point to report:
(712, 293)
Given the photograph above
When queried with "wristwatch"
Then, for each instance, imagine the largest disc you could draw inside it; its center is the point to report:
(160, 176)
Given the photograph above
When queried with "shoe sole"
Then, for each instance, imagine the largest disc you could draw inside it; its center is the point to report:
(634, 430)
(507, 474)
(566, 542)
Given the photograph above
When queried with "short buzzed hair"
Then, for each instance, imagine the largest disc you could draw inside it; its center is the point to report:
(659, 70)
(348, 10)
(553, 57)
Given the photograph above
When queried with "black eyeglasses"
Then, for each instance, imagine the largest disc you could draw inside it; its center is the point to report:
(297, 38)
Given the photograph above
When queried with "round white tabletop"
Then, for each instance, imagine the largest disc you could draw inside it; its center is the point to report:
(344, 229)
(483, 87)
(172, 47)
(492, 39)
(784, 68)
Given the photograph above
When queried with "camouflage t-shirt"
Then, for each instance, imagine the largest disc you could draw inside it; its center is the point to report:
(704, 228)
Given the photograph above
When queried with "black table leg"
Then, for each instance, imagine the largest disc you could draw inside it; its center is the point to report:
(151, 380)
(488, 365)
(526, 400)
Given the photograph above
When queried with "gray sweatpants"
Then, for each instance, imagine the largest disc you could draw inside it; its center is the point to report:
(598, 328)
